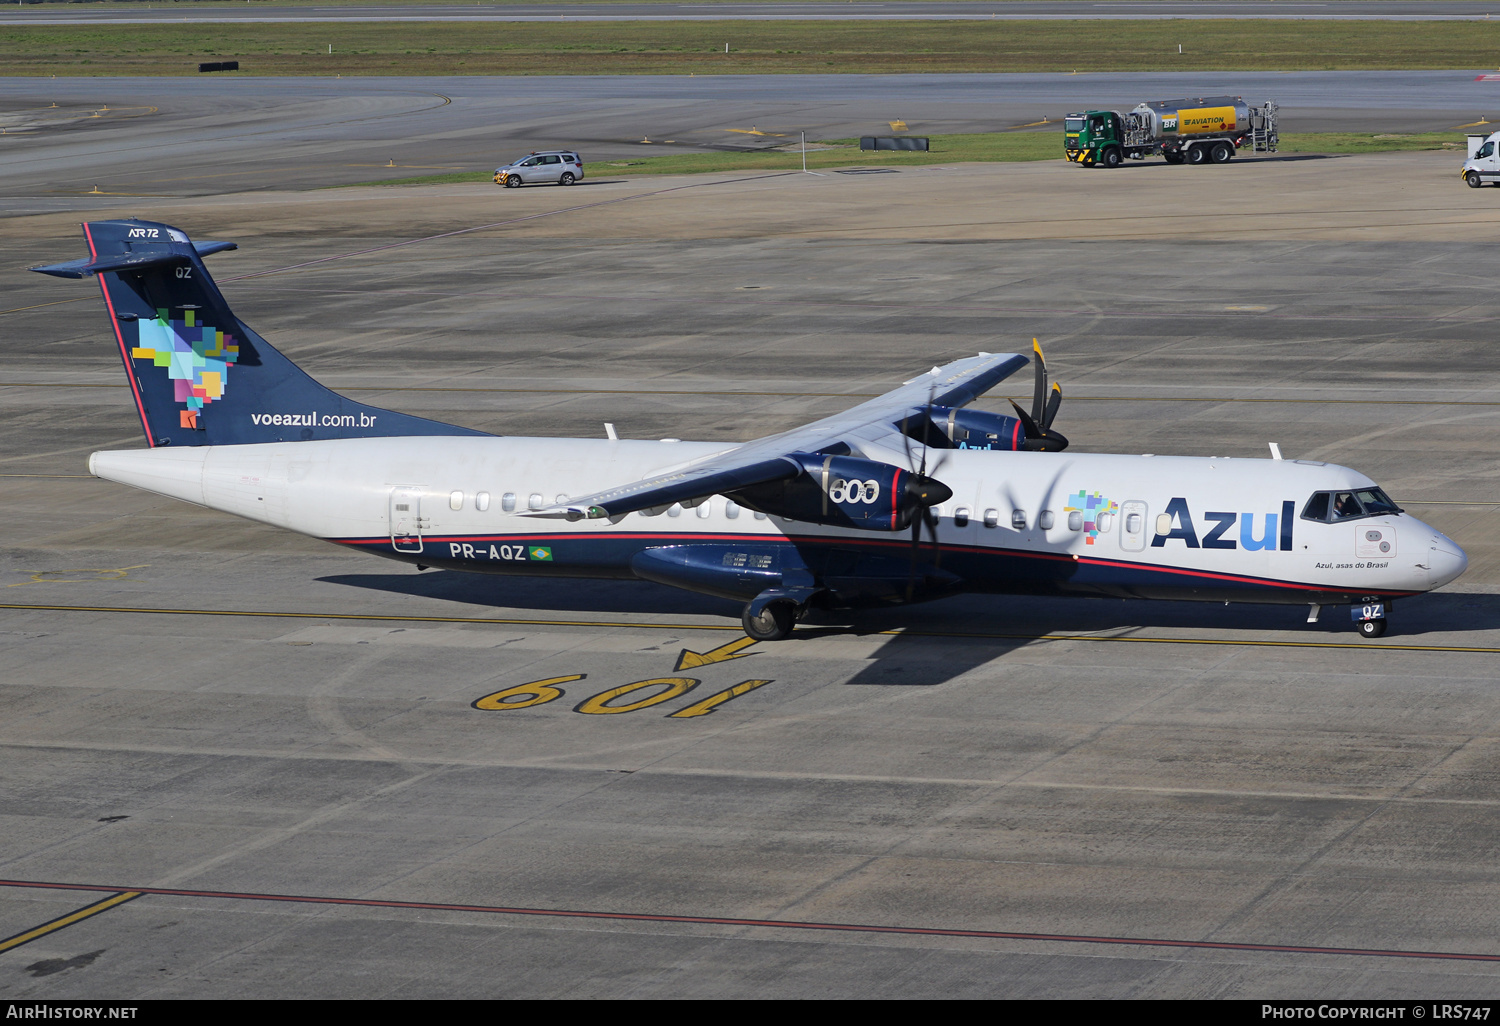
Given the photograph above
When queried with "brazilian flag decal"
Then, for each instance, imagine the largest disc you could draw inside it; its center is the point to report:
(541, 553)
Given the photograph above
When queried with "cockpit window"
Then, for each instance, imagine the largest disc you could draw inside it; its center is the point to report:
(1345, 506)
(1317, 507)
(1376, 501)
(1337, 507)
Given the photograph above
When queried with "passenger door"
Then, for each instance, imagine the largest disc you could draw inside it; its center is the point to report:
(406, 519)
(530, 169)
(550, 169)
(1133, 526)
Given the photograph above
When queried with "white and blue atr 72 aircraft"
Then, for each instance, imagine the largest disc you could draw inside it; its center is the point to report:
(830, 515)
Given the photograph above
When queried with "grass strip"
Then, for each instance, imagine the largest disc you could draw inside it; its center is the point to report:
(988, 147)
(755, 47)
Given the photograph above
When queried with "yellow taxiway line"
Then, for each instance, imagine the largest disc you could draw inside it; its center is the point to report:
(68, 920)
(1353, 646)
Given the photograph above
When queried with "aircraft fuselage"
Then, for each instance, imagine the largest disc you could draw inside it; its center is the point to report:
(1018, 522)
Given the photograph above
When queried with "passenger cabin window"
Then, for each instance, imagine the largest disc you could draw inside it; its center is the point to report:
(535, 501)
(992, 518)
(508, 502)
(482, 501)
(1075, 521)
(1103, 522)
(455, 500)
(1018, 519)
(704, 509)
(731, 508)
(961, 517)
(1045, 519)
(1337, 507)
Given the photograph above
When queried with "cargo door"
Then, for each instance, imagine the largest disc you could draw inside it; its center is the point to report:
(1133, 526)
(406, 519)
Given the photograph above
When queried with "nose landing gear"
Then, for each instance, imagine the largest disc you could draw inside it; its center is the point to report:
(1369, 617)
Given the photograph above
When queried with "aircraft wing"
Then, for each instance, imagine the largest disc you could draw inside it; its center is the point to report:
(770, 458)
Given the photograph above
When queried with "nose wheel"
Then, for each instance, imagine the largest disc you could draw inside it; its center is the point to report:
(1371, 628)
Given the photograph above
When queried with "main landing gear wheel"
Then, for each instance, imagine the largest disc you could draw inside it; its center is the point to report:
(1371, 628)
(512, 181)
(1197, 155)
(1473, 179)
(1110, 157)
(1220, 153)
(566, 179)
(774, 622)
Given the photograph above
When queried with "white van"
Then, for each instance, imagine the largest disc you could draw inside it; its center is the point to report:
(1483, 164)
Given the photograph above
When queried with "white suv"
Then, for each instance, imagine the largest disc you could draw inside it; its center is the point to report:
(561, 166)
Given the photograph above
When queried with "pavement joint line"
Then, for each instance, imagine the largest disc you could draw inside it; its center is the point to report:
(781, 302)
(809, 395)
(1357, 646)
(509, 221)
(782, 924)
(76, 916)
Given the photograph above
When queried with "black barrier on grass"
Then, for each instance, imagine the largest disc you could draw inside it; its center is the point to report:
(235, 66)
(893, 142)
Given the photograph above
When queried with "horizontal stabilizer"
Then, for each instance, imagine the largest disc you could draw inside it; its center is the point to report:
(128, 261)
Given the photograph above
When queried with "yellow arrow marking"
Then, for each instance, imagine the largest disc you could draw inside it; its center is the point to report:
(690, 660)
(708, 705)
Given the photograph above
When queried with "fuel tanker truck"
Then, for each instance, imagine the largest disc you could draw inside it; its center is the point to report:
(1200, 130)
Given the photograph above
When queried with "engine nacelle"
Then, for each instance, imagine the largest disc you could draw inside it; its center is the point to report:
(846, 491)
(976, 429)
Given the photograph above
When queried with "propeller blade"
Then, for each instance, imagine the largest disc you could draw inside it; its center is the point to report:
(1031, 427)
(1053, 402)
(931, 519)
(1039, 397)
(916, 545)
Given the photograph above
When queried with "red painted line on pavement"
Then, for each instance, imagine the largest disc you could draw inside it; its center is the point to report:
(783, 924)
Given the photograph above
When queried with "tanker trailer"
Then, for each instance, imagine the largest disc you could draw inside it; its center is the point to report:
(1199, 130)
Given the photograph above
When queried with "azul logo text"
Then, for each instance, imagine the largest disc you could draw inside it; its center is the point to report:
(1256, 532)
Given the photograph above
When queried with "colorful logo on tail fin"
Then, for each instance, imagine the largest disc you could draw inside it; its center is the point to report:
(197, 358)
(1092, 506)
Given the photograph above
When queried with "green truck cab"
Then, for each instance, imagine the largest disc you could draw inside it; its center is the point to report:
(1094, 137)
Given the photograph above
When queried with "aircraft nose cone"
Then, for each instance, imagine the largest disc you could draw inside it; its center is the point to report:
(1446, 559)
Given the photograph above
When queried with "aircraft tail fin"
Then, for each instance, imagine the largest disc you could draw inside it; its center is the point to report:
(199, 375)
